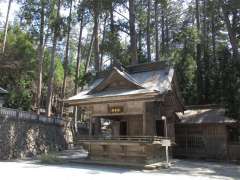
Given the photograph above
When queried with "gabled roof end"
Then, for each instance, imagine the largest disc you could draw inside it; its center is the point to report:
(3, 91)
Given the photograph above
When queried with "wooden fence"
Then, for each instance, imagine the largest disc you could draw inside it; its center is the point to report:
(16, 114)
(191, 145)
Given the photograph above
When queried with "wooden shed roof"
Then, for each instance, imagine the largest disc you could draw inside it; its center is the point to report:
(150, 78)
(205, 116)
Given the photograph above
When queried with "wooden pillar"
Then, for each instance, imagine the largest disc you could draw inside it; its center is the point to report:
(97, 123)
(144, 118)
(115, 128)
(149, 119)
(90, 126)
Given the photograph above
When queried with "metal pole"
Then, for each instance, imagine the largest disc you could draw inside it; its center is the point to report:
(166, 135)
(166, 130)
(167, 155)
(165, 125)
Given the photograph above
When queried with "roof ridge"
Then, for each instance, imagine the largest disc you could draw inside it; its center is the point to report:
(129, 76)
(123, 74)
(137, 68)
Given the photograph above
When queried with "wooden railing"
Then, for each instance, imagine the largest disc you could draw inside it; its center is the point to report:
(132, 139)
(16, 114)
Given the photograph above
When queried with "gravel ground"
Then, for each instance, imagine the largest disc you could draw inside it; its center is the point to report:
(182, 170)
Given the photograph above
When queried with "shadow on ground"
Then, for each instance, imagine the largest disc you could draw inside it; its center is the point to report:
(211, 170)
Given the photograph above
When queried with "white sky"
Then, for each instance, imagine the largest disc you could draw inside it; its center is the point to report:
(3, 11)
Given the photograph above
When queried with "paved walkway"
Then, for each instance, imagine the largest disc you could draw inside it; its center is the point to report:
(182, 170)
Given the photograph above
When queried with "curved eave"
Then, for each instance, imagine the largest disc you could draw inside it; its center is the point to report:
(98, 100)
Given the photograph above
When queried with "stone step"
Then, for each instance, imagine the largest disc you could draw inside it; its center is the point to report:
(74, 153)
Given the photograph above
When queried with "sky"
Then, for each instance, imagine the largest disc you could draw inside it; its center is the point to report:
(3, 11)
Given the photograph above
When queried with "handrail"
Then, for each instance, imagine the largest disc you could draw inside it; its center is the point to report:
(24, 115)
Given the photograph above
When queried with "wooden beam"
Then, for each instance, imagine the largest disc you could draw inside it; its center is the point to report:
(100, 100)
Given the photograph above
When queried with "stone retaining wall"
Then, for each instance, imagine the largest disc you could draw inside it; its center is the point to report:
(19, 138)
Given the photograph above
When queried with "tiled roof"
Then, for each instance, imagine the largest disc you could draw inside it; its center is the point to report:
(152, 80)
(204, 116)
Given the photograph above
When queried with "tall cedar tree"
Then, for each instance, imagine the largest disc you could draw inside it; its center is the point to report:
(53, 56)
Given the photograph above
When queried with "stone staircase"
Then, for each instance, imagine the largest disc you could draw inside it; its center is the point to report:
(74, 153)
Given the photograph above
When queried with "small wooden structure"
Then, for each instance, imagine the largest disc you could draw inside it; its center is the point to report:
(206, 132)
(131, 113)
(3, 93)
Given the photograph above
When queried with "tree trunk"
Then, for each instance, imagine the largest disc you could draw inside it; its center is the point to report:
(96, 37)
(79, 57)
(205, 54)
(40, 55)
(114, 60)
(52, 65)
(66, 59)
(157, 58)
(139, 42)
(112, 28)
(6, 26)
(79, 54)
(167, 35)
(89, 54)
(163, 30)
(148, 31)
(198, 57)
(46, 37)
(215, 65)
(133, 38)
(213, 29)
(103, 39)
(231, 32)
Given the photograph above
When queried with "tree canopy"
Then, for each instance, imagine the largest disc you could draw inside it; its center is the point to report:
(52, 46)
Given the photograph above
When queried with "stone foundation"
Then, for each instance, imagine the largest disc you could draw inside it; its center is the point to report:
(131, 153)
(20, 138)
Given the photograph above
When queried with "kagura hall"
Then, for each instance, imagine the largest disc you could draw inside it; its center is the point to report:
(131, 113)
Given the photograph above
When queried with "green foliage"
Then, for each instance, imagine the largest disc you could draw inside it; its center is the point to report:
(18, 79)
(184, 60)
(20, 98)
(50, 158)
(19, 47)
(228, 83)
(83, 78)
(178, 36)
(59, 71)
